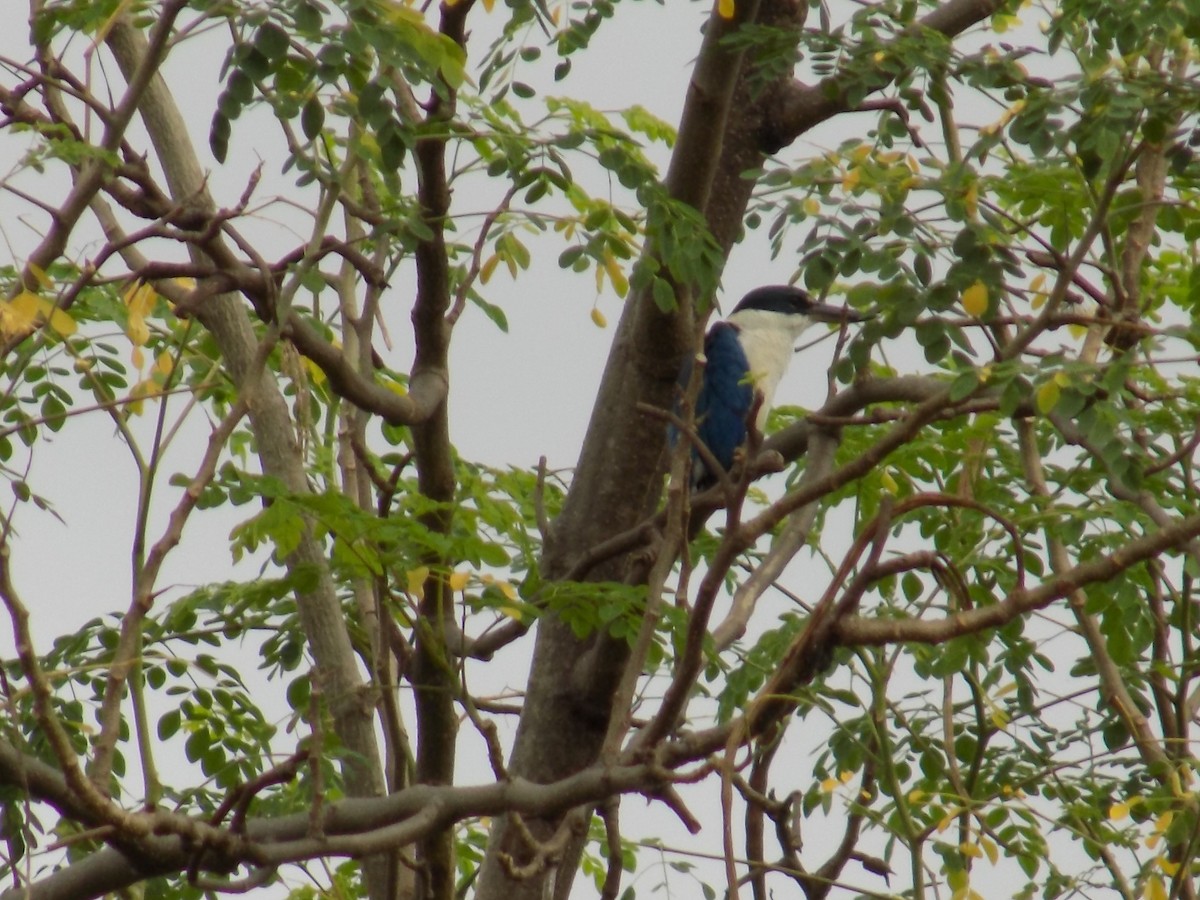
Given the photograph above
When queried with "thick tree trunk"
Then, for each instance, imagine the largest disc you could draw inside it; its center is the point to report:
(618, 480)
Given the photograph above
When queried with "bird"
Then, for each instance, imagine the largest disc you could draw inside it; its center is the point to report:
(748, 353)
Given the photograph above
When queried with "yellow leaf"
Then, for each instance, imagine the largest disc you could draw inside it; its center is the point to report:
(1118, 811)
(948, 819)
(989, 848)
(27, 309)
(489, 266)
(916, 795)
(165, 364)
(1002, 23)
(138, 357)
(851, 179)
(507, 590)
(967, 848)
(1171, 868)
(61, 323)
(829, 785)
(416, 581)
(888, 483)
(147, 387)
(845, 775)
(975, 299)
(138, 393)
(812, 206)
(971, 200)
(488, 4)
(1077, 331)
(458, 580)
(139, 300)
(317, 375)
(40, 274)
(619, 282)
(21, 313)
(725, 9)
(1155, 888)
(511, 611)
(598, 318)
(1047, 396)
(599, 278)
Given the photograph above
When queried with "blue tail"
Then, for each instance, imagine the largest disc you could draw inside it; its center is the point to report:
(724, 401)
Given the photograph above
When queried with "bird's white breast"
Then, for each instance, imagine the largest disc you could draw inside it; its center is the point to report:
(769, 340)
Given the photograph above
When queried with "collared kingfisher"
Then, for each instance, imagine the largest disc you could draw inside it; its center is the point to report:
(747, 353)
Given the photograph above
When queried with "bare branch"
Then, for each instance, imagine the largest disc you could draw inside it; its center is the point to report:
(124, 656)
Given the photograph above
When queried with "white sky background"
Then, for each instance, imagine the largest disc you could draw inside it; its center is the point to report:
(514, 397)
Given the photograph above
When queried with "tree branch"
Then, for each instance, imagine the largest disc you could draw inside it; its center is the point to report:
(859, 631)
(799, 107)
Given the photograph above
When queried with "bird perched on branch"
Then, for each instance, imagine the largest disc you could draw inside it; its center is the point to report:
(745, 354)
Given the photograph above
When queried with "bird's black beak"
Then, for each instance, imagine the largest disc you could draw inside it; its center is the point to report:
(825, 312)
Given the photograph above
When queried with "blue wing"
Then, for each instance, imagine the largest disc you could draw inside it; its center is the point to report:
(724, 402)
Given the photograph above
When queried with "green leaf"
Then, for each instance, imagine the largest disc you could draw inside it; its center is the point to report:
(299, 692)
(964, 385)
(664, 295)
(312, 117)
(818, 273)
(169, 724)
(912, 586)
(271, 41)
(493, 312)
(218, 137)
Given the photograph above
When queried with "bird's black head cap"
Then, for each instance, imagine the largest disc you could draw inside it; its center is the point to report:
(789, 300)
(780, 298)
